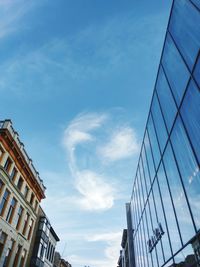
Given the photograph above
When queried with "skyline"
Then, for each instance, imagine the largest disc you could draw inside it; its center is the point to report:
(73, 137)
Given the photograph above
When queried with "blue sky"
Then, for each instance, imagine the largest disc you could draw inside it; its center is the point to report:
(76, 78)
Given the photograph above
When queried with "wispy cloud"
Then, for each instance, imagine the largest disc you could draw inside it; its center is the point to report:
(96, 192)
(122, 144)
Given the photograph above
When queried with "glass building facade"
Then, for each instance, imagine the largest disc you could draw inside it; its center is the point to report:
(165, 201)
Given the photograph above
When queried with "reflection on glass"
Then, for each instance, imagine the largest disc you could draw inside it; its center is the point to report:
(161, 220)
(190, 112)
(197, 72)
(142, 180)
(147, 236)
(188, 168)
(178, 196)
(145, 170)
(169, 211)
(159, 123)
(153, 141)
(149, 156)
(155, 225)
(175, 68)
(184, 26)
(166, 99)
(186, 257)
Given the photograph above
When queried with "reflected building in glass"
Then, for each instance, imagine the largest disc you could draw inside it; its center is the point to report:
(165, 201)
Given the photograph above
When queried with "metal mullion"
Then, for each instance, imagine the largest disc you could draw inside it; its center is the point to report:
(185, 192)
(165, 219)
(193, 77)
(198, 9)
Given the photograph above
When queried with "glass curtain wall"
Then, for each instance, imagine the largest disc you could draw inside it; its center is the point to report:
(166, 193)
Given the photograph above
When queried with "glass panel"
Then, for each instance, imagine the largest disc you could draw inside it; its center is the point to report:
(184, 26)
(169, 211)
(190, 112)
(161, 221)
(145, 170)
(186, 257)
(175, 68)
(197, 72)
(166, 99)
(155, 226)
(149, 157)
(159, 122)
(180, 204)
(153, 141)
(188, 168)
(143, 184)
(147, 236)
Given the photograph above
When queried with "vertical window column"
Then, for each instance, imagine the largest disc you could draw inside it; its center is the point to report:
(4, 202)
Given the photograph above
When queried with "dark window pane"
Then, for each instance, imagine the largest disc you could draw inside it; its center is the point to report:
(184, 26)
(153, 141)
(175, 68)
(180, 204)
(166, 99)
(190, 112)
(197, 72)
(159, 123)
(188, 168)
(169, 211)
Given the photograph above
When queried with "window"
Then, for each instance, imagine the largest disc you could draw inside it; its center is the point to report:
(17, 255)
(13, 174)
(19, 217)
(25, 223)
(1, 153)
(3, 237)
(36, 205)
(175, 68)
(11, 210)
(166, 99)
(32, 198)
(30, 228)
(184, 26)
(188, 167)
(159, 122)
(1, 186)
(8, 164)
(190, 112)
(26, 191)
(4, 202)
(153, 141)
(42, 249)
(9, 253)
(23, 257)
(20, 183)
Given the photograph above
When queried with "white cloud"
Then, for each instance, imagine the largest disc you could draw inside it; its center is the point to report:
(123, 144)
(97, 193)
(113, 240)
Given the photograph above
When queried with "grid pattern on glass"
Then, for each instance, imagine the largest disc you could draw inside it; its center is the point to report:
(167, 184)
